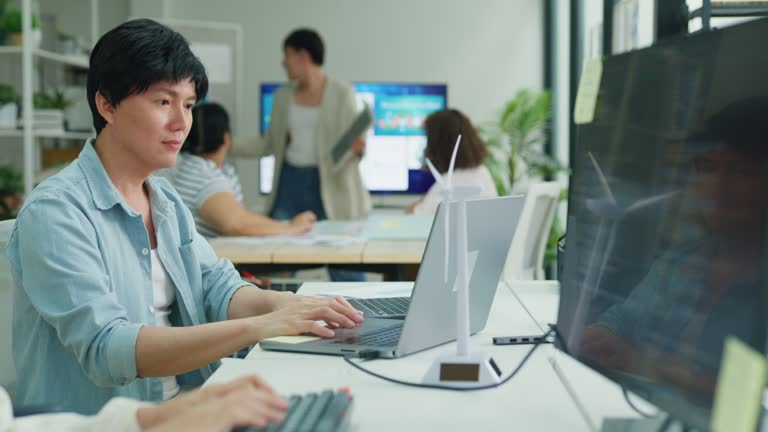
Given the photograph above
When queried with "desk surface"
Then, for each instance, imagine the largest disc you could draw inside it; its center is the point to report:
(535, 399)
(363, 252)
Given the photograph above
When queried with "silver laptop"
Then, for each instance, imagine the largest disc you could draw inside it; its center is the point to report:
(431, 316)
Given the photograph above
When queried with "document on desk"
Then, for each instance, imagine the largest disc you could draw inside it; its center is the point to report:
(370, 291)
(308, 239)
(406, 227)
(338, 228)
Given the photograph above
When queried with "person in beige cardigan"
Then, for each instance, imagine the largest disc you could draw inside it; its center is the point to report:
(308, 118)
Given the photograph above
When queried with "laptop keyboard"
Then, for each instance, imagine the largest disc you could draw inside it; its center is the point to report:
(388, 307)
(387, 336)
(321, 412)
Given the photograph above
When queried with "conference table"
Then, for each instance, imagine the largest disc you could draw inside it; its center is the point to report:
(551, 392)
(389, 244)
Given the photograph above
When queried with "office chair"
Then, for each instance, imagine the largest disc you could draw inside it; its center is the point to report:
(525, 260)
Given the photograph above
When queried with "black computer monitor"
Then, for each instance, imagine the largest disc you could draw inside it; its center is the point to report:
(666, 246)
(394, 158)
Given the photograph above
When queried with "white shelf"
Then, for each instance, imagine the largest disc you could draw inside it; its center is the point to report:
(73, 135)
(76, 61)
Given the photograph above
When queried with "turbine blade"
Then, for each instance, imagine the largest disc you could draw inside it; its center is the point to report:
(447, 238)
(453, 161)
(435, 174)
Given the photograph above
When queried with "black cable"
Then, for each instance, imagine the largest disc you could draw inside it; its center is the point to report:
(348, 359)
(633, 406)
(665, 424)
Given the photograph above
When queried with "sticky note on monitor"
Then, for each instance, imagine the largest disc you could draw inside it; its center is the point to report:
(739, 392)
(589, 87)
(292, 339)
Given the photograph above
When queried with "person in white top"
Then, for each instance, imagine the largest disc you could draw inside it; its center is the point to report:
(246, 402)
(442, 128)
(210, 188)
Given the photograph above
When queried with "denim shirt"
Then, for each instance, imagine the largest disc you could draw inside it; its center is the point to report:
(82, 287)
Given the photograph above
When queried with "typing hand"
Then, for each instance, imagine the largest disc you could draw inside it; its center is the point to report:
(248, 401)
(296, 314)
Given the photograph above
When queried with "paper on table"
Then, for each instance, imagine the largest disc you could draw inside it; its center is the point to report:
(397, 227)
(739, 392)
(589, 87)
(375, 291)
(292, 339)
(307, 239)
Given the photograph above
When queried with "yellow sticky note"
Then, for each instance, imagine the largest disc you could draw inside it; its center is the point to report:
(390, 224)
(739, 393)
(292, 339)
(589, 87)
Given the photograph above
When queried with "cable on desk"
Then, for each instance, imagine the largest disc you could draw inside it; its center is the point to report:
(633, 406)
(665, 424)
(371, 355)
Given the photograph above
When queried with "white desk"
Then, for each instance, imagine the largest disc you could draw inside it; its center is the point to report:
(534, 400)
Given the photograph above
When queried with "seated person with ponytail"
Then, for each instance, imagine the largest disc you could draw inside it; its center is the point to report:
(210, 188)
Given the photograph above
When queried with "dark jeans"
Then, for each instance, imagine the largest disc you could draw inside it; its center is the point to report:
(299, 190)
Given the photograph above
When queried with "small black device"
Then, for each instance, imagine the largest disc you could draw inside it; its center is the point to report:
(519, 340)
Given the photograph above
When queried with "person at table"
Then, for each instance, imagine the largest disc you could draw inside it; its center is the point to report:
(115, 292)
(246, 402)
(210, 188)
(308, 118)
(442, 128)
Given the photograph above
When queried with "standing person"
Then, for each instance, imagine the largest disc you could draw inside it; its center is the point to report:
(309, 116)
(115, 292)
(442, 128)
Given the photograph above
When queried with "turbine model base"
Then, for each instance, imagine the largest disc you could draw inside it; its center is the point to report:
(452, 370)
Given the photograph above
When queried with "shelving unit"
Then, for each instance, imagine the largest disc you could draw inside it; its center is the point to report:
(30, 56)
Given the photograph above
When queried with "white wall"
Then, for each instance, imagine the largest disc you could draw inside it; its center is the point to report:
(485, 50)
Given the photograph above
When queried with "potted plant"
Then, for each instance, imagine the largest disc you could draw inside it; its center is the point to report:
(10, 23)
(49, 109)
(515, 143)
(8, 108)
(11, 188)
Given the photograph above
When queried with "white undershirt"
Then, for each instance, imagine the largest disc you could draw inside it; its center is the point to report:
(163, 296)
(302, 124)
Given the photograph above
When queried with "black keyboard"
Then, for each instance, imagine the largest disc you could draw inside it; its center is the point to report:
(387, 336)
(313, 412)
(387, 307)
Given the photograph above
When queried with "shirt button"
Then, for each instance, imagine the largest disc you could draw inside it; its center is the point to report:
(144, 251)
(151, 309)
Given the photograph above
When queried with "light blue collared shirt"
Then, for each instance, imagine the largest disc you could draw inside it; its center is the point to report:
(82, 273)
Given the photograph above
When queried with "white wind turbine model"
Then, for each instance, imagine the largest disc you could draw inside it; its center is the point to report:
(462, 369)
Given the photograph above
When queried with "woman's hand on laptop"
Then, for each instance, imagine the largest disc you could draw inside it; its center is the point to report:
(300, 315)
